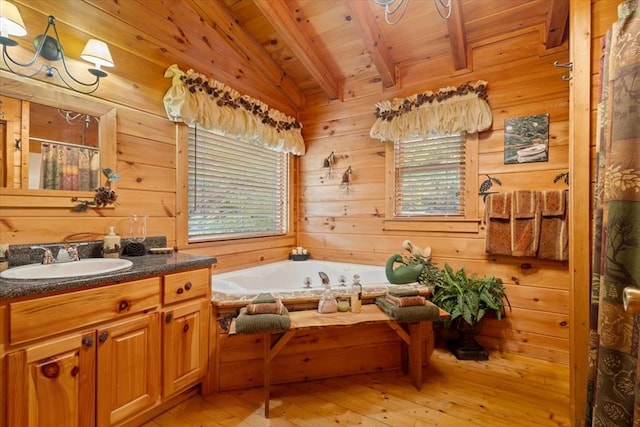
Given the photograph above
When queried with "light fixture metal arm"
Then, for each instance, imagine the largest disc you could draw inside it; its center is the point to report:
(51, 49)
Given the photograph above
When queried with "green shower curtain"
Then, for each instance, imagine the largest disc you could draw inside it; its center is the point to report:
(614, 388)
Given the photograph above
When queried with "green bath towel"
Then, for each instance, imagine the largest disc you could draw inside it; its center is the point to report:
(256, 323)
(403, 292)
(416, 313)
(263, 298)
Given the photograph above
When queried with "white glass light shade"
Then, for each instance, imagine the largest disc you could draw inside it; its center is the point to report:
(97, 52)
(10, 20)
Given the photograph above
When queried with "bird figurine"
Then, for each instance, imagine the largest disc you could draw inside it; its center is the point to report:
(406, 273)
(416, 252)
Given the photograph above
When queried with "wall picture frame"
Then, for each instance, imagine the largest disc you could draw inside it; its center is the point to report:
(526, 139)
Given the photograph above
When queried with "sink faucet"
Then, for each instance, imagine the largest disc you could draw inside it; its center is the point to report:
(47, 257)
(68, 254)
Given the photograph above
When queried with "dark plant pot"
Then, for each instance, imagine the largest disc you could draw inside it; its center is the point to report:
(134, 249)
(466, 347)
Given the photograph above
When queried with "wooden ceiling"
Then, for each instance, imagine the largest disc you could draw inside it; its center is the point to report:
(287, 51)
(314, 45)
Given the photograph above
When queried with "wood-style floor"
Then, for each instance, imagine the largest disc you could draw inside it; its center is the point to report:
(508, 390)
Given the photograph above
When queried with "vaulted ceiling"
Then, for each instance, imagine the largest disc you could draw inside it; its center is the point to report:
(310, 46)
(288, 51)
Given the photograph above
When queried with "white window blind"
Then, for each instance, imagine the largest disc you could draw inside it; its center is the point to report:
(430, 176)
(236, 189)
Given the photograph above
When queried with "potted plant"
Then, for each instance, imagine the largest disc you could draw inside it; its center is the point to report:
(468, 299)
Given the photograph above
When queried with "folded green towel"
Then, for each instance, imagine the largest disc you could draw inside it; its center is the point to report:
(256, 323)
(263, 298)
(416, 313)
(402, 292)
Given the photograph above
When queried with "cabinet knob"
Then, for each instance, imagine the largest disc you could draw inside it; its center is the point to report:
(102, 337)
(74, 371)
(123, 305)
(180, 290)
(87, 341)
(188, 286)
(168, 318)
(185, 328)
(51, 370)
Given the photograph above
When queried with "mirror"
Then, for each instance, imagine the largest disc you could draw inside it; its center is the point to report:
(55, 123)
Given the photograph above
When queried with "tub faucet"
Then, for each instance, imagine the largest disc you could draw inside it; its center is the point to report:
(324, 278)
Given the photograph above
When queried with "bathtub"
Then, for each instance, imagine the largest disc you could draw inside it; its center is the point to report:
(297, 279)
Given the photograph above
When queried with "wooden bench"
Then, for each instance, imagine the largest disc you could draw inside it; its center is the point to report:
(275, 341)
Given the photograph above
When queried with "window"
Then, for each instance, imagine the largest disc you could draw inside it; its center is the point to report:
(431, 184)
(430, 176)
(236, 188)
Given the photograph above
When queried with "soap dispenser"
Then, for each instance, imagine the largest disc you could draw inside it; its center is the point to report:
(111, 244)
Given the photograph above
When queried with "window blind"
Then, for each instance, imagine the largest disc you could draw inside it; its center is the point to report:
(236, 189)
(430, 176)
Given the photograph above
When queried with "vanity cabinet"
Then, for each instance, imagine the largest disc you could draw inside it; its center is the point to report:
(184, 329)
(128, 368)
(104, 356)
(53, 383)
(115, 368)
(184, 345)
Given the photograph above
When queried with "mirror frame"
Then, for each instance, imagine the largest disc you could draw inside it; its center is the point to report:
(39, 92)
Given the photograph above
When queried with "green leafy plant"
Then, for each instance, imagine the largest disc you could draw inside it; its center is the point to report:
(469, 298)
(104, 195)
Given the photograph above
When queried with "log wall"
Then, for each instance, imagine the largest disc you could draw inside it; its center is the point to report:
(332, 225)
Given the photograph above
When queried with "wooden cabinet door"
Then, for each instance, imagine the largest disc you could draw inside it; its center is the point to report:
(184, 345)
(128, 368)
(53, 383)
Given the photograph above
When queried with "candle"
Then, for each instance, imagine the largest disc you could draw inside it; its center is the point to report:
(3, 250)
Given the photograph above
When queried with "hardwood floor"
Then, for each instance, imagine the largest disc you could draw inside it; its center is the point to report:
(508, 390)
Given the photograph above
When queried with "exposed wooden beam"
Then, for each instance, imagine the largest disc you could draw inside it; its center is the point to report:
(457, 35)
(220, 18)
(580, 114)
(557, 21)
(365, 20)
(280, 16)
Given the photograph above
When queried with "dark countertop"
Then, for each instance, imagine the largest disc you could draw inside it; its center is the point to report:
(143, 266)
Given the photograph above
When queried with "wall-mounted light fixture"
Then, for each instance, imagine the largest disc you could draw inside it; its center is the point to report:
(95, 51)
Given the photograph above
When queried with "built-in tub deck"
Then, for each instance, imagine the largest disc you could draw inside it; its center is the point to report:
(331, 345)
(306, 320)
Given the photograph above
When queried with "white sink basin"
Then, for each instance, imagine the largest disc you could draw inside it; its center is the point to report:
(84, 267)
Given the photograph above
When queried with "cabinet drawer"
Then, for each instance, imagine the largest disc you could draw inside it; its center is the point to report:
(45, 316)
(185, 285)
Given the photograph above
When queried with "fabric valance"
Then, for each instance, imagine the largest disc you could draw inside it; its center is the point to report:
(194, 98)
(449, 110)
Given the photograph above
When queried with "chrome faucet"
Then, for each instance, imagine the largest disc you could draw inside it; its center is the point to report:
(68, 254)
(324, 278)
(47, 257)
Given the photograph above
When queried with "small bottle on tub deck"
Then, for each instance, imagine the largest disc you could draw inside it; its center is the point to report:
(356, 294)
(111, 244)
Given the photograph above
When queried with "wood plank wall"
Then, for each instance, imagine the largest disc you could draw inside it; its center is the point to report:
(146, 141)
(333, 225)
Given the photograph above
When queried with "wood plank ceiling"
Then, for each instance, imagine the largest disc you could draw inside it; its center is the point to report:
(291, 50)
(318, 45)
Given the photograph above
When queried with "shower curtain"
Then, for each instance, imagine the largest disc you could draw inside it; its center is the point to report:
(614, 389)
(68, 168)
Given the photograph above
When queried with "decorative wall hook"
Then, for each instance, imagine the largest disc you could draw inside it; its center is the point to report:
(562, 176)
(328, 162)
(345, 183)
(568, 65)
(486, 185)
